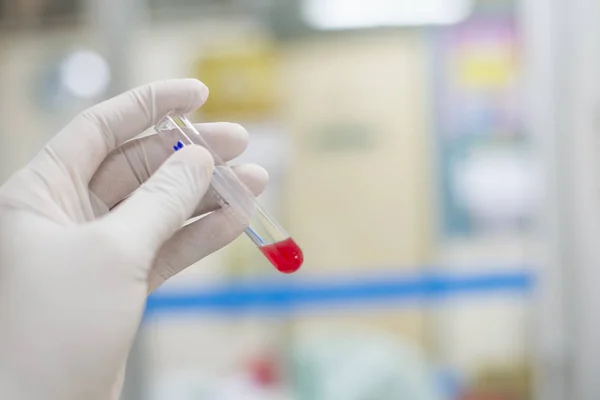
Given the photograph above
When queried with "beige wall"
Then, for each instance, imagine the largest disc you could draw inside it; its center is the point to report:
(359, 208)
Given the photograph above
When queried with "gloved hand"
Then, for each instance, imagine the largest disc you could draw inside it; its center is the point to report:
(75, 267)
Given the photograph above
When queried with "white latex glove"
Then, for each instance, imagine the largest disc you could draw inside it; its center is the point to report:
(73, 282)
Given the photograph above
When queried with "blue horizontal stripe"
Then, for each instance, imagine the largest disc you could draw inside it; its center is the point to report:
(291, 293)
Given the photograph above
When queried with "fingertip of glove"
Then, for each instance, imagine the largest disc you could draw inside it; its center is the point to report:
(200, 88)
(258, 173)
(191, 91)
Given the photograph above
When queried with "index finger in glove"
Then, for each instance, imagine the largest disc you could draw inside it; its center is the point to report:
(130, 165)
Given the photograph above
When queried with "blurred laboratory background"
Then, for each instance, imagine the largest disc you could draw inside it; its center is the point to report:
(437, 160)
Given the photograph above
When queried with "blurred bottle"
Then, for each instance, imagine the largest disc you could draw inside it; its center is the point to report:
(361, 365)
(262, 380)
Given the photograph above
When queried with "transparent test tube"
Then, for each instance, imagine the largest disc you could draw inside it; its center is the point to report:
(264, 230)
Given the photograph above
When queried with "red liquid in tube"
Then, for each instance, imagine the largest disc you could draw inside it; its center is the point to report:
(285, 255)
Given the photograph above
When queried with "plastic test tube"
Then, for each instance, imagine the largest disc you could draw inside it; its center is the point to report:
(264, 230)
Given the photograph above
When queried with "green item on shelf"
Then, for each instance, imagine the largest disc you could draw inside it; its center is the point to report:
(360, 366)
